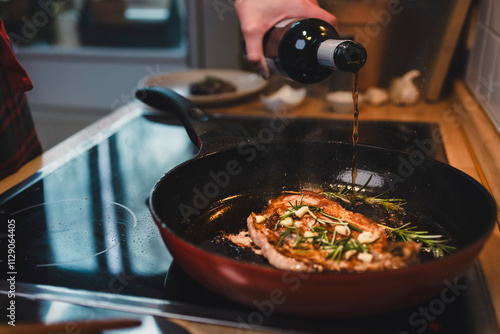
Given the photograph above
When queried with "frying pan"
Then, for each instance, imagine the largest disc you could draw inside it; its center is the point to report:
(233, 176)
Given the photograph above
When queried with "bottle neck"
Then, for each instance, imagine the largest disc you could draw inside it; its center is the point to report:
(342, 55)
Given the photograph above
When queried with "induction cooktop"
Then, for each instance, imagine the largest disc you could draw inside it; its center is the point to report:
(84, 234)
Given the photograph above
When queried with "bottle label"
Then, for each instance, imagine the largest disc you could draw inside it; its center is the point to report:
(326, 52)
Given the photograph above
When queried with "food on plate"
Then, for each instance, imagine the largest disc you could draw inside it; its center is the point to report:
(310, 232)
(211, 85)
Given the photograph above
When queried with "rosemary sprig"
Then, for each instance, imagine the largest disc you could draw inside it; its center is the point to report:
(435, 243)
(390, 204)
(345, 194)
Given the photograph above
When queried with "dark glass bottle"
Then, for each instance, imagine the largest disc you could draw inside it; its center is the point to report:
(309, 50)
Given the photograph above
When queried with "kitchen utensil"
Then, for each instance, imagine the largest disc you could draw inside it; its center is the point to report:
(94, 326)
(224, 183)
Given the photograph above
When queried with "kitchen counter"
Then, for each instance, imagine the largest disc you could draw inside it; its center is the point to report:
(471, 142)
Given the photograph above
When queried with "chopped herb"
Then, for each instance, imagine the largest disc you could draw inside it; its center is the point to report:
(283, 236)
(289, 212)
(339, 247)
(323, 238)
(287, 232)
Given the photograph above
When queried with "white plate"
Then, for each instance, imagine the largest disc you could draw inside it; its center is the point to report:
(246, 83)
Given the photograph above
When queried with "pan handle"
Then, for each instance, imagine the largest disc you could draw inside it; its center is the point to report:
(194, 119)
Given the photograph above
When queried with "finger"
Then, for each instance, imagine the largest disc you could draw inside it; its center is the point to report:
(263, 68)
(322, 14)
(325, 16)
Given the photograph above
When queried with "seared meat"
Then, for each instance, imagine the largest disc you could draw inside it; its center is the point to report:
(211, 85)
(309, 232)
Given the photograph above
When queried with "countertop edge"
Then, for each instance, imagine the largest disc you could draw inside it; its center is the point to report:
(73, 146)
(483, 140)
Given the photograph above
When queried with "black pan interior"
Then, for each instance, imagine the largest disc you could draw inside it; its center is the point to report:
(218, 191)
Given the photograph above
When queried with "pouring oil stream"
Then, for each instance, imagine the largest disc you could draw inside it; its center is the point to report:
(355, 135)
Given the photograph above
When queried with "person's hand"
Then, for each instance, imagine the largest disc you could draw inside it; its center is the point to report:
(258, 16)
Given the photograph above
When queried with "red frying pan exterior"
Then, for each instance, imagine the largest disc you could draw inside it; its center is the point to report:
(319, 295)
(220, 187)
(448, 197)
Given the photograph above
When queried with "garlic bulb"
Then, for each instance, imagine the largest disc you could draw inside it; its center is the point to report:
(403, 90)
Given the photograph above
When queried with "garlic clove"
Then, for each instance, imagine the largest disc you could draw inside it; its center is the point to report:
(365, 257)
(348, 254)
(287, 222)
(367, 237)
(301, 212)
(260, 219)
(310, 234)
(342, 230)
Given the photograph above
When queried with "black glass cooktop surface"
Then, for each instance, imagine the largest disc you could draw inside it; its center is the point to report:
(84, 233)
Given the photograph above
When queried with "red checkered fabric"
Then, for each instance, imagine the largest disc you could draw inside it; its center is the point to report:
(18, 138)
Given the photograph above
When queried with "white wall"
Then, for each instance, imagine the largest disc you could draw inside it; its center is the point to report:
(74, 87)
(92, 78)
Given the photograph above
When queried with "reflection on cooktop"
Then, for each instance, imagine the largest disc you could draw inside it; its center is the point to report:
(76, 230)
(86, 226)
